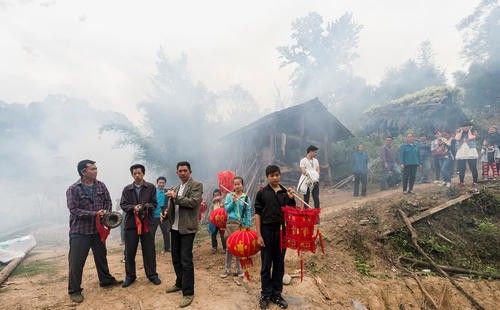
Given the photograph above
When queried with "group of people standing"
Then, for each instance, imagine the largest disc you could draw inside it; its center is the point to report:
(89, 200)
(447, 153)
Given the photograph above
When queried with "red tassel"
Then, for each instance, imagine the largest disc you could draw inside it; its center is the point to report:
(101, 229)
(321, 242)
(141, 227)
(301, 269)
(247, 275)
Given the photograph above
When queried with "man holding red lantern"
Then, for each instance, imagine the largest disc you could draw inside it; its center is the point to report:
(268, 222)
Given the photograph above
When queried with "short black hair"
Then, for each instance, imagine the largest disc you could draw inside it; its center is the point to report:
(311, 148)
(389, 137)
(239, 178)
(216, 191)
(82, 165)
(161, 178)
(184, 163)
(137, 166)
(272, 169)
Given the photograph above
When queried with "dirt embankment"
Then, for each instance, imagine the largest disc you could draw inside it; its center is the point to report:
(357, 265)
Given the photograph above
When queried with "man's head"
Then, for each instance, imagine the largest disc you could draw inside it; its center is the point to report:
(312, 151)
(137, 171)
(360, 147)
(184, 171)
(410, 138)
(388, 141)
(437, 134)
(87, 169)
(423, 138)
(273, 175)
(492, 130)
(161, 182)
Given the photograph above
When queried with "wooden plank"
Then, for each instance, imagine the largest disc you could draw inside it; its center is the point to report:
(428, 213)
(439, 208)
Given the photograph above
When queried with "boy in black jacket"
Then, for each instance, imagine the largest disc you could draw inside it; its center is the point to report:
(268, 221)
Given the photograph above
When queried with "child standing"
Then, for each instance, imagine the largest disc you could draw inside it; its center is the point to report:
(268, 222)
(489, 155)
(216, 204)
(237, 205)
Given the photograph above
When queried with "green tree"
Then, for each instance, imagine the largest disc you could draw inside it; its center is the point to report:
(322, 56)
(481, 31)
(182, 120)
(411, 76)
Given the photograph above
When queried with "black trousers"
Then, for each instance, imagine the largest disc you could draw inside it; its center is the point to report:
(273, 262)
(461, 166)
(182, 259)
(79, 246)
(222, 238)
(165, 231)
(148, 253)
(360, 178)
(437, 167)
(409, 173)
(315, 194)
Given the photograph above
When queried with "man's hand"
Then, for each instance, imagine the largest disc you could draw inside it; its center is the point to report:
(170, 193)
(260, 241)
(138, 207)
(163, 216)
(101, 213)
(234, 197)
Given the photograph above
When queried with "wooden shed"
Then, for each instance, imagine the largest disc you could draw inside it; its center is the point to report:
(282, 138)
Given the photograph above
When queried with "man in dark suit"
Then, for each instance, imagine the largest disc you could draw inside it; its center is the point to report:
(182, 213)
(139, 201)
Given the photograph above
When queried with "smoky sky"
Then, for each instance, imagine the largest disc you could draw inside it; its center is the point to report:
(103, 52)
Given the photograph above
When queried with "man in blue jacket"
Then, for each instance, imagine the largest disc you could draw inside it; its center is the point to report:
(360, 170)
(410, 160)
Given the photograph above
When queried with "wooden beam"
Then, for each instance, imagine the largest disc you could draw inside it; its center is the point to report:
(427, 213)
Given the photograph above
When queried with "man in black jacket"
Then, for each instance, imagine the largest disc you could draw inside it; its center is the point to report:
(139, 201)
(268, 221)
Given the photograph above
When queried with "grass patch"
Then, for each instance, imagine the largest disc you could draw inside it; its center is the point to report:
(362, 266)
(32, 268)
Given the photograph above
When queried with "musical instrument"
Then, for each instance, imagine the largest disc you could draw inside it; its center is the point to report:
(112, 219)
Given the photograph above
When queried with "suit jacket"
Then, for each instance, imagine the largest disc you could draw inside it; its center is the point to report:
(129, 200)
(189, 207)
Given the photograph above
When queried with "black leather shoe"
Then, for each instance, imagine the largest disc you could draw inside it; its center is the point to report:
(280, 301)
(155, 280)
(264, 302)
(112, 283)
(128, 282)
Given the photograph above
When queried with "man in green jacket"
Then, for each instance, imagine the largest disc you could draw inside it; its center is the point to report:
(410, 160)
(182, 213)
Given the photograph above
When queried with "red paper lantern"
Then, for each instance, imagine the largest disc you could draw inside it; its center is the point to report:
(299, 231)
(218, 217)
(243, 244)
(225, 179)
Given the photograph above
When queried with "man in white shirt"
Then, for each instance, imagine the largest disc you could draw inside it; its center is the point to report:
(182, 213)
(309, 166)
